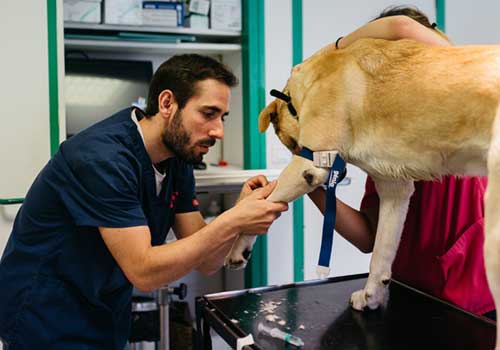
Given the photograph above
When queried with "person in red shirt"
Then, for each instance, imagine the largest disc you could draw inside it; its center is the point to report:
(441, 246)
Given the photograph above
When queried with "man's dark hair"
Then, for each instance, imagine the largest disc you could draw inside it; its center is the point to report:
(411, 12)
(181, 73)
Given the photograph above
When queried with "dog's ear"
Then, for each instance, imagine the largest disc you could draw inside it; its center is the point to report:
(265, 116)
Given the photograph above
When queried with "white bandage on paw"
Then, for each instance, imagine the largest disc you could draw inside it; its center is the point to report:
(241, 342)
(322, 271)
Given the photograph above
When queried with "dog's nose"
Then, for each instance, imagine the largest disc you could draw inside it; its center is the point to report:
(247, 253)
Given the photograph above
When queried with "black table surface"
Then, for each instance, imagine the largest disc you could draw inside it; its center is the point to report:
(319, 313)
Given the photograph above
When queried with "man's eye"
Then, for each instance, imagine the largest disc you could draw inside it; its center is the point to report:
(209, 114)
(223, 118)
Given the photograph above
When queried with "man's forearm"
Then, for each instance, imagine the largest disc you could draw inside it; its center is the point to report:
(167, 263)
(215, 259)
(395, 28)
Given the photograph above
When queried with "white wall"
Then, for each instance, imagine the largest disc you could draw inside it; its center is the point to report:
(473, 22)
(278, 59)
(324, 22)
(24, 96)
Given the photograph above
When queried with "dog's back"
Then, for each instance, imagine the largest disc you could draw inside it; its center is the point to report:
(396, 91)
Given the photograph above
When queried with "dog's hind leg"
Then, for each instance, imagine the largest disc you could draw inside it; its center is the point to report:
(492, 219)
(394, 200)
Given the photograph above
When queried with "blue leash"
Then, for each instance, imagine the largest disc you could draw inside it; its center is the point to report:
(337, 173)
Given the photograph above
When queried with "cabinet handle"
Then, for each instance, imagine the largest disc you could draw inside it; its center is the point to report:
(9, 201)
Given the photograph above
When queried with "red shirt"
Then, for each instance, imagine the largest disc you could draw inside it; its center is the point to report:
(441, 249)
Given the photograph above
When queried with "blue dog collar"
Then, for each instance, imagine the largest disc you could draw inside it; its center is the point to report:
(337, 165)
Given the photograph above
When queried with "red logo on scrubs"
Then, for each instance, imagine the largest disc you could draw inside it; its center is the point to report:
(173, 198)
(195, 202)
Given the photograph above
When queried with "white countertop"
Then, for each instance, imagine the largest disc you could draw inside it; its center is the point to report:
(228, 178)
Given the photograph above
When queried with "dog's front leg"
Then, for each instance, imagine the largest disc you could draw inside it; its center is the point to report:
(298, 178)
(394, 200)
(240, 252)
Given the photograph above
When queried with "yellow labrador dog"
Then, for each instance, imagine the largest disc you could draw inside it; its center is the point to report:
(401, 111)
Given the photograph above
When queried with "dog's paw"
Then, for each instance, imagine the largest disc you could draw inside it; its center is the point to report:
(370, 298)
(235, 261)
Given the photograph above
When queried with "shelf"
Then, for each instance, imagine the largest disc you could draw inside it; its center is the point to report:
(151, 29)
(228, 179)
(152, 47)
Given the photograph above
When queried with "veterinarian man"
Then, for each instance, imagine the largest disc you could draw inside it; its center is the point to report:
(441, 246)
(94, 221)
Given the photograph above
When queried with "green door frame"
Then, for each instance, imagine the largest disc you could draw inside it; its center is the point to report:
(254, 143)
(298, 204)
(440, 14)
(53, 76)
(253, 56)
(53, 87)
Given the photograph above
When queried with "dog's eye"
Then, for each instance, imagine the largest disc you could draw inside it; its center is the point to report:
(273, 116)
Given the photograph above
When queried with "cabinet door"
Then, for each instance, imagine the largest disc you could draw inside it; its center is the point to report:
(28, 90)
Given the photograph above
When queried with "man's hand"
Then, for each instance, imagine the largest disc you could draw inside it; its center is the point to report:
(253, 213)
(252, 184)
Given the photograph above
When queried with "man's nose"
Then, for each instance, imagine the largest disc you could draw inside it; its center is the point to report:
(217, 131)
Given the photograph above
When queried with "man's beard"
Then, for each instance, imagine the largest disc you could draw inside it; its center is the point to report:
(176, 138)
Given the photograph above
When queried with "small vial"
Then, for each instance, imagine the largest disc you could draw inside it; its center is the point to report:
(279, 334)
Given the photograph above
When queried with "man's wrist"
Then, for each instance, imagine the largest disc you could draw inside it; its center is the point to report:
(231, 225)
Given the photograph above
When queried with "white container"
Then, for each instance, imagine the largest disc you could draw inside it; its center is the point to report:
(126, 12)
(163, 13)
(85, 11)
(200, 7)
(196, 21)
(225, 15)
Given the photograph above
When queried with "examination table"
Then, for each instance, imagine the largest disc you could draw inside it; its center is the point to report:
(318, 312)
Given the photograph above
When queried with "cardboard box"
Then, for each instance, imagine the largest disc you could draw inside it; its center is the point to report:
(85, 11)
(163, 13)
(126, 12)
(225, 15)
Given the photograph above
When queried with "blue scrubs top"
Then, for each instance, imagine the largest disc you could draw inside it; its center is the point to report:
(60, 288)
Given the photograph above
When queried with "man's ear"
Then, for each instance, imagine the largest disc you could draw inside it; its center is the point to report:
(265, 116)
(167, 104)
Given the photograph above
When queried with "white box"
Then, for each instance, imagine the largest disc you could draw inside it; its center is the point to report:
(163, 13)
(200, 7)
(86, 11)
(225, 15)
(127, 12)
(196, 21)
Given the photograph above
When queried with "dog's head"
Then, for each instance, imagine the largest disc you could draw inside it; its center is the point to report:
(300, 176)
(311, 112)
(305, 102)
